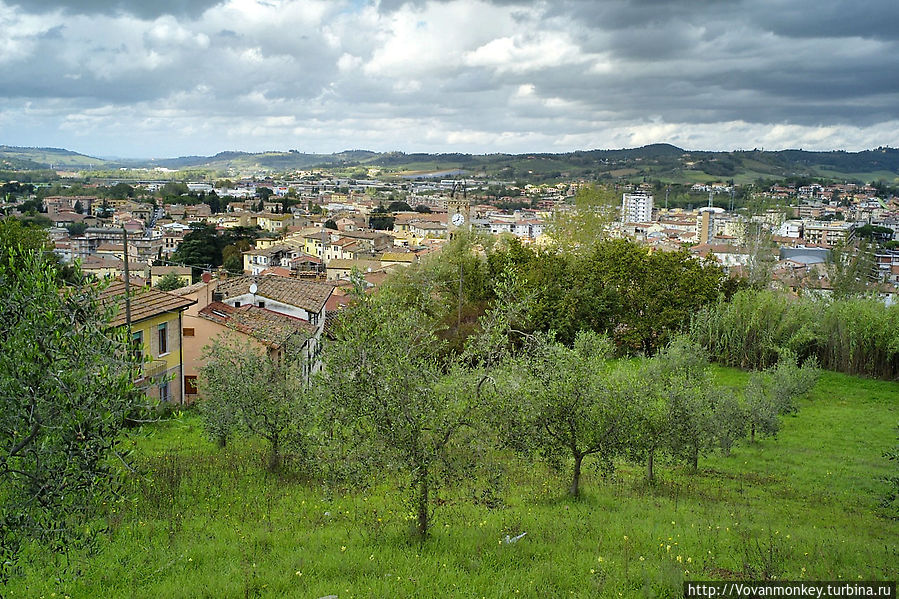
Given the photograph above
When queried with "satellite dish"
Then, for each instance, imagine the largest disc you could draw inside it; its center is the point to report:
(254, 288)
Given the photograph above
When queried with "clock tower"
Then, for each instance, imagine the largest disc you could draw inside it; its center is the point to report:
(458, 211)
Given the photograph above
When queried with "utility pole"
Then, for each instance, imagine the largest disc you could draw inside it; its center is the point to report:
(127, 282)
(459, 319)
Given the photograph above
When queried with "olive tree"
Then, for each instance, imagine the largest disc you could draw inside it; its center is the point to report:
(729, 422)
(249, 389)
(676, 405)
(559, 402)
(650, 433)
(761, 411)
(66, 387)
(772, 392)
(890, 498)
(790, 381)
(391, 386)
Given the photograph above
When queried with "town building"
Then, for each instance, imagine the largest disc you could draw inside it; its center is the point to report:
(636, 208)
(155, 327)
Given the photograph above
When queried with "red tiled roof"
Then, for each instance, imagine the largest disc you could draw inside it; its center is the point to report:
(276, 271)
(272, 328)
(146, 302)
(308, 295)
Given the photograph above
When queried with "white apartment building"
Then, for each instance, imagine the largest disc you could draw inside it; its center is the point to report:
(636, 208)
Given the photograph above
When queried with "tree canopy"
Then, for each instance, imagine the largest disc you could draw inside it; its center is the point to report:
(66, 386)
(577, 226)
(204, 247)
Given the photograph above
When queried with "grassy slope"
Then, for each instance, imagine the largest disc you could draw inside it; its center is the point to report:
(213, 525)
(46, 156)
(882, 175)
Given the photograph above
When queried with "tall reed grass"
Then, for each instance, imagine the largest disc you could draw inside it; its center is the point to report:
(856, 335)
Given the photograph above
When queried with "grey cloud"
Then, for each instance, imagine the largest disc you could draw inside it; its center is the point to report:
(698, 62)
(139, 8)
(874, 19)
(390, 6)
(54, 33)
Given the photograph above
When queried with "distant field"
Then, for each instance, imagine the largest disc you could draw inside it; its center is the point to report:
(207, 523)
(867, 177)
(421, 168)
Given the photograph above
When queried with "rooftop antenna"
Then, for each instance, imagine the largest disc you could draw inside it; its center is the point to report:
(711, 193)
(667, 189)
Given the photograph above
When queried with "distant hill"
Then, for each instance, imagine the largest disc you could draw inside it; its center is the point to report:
(663, 162)
(15, 158)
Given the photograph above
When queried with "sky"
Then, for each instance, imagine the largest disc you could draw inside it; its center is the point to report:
(166, 78)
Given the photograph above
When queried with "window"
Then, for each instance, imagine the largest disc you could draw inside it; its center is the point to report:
(164, 391)
(188, 332)
(137, 346)
(190, 384)
(163, 334)
(261, 304)
(237, 304)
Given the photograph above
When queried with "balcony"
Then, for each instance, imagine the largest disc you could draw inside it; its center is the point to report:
(153, 368)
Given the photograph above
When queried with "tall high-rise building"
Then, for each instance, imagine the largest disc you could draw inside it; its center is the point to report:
(636, 208)
(705, 223)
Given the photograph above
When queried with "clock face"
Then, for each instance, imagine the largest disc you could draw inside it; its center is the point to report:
(458, 219)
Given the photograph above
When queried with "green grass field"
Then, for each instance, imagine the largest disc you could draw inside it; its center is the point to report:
(210, 523)
(888, 177)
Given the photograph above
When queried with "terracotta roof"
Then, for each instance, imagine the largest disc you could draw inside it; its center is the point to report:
(272, 328)
(398, 257)
(188, 289)
(95, 261)
(336, 302)
(146, 302)
(348, 264)
(419, 217)
(308, 295)
(375, 278)
(164, 270)
(306, 258)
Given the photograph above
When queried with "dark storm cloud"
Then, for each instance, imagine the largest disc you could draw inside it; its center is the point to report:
(875, 19)
(147, 9)
(455, 69)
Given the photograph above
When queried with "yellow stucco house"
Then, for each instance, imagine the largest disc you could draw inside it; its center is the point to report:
(157, 273)
(156, 331)
(274, 223)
